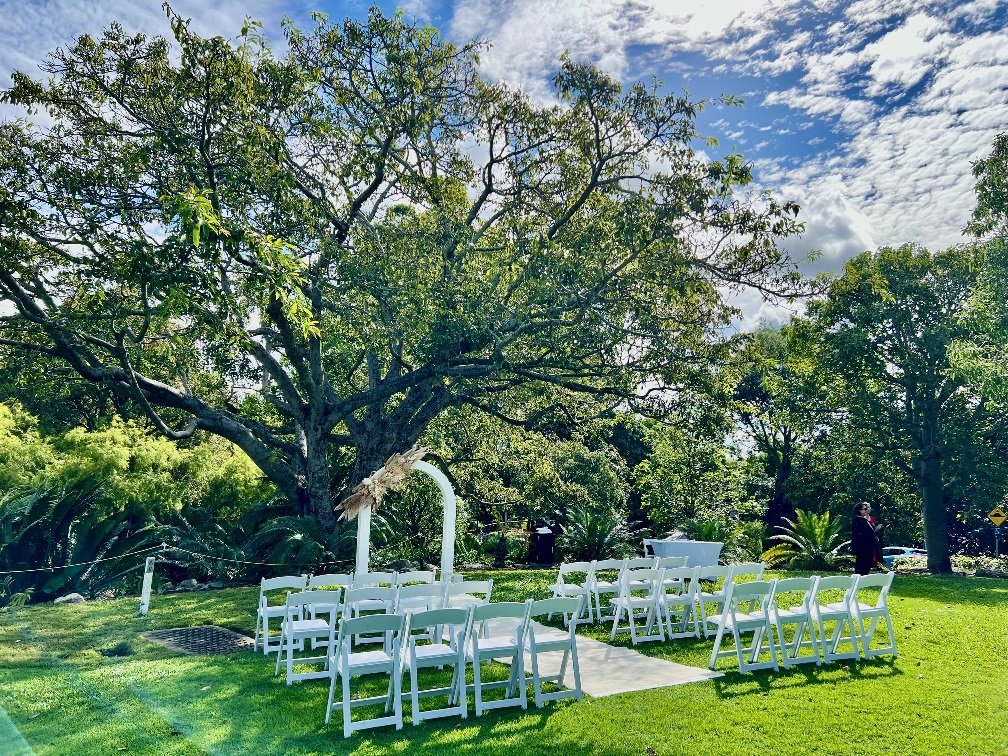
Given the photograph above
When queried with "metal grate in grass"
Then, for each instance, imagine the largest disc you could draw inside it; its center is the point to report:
(205, 640)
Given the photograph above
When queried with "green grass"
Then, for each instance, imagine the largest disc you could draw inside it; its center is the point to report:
(945, 694)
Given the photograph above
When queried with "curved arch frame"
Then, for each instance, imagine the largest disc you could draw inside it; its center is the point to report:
(447, 529)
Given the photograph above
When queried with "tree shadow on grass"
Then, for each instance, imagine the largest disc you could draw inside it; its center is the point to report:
(226, 705)
(735, 685)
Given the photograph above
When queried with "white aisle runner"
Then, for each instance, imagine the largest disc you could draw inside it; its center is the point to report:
(607, 670)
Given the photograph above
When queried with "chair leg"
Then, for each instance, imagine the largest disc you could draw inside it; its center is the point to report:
(332, 691)
(477, 684)
(717, 645)
(576, 669)
(347, 724)
(415, 695)
(536, 682)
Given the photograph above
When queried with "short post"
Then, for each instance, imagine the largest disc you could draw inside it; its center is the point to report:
(997, 542)
(145, 591)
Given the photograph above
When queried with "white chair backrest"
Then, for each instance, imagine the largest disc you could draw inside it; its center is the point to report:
(324, 602)
(610, 565)
(416, 576)
(419, 597)
(287, 583)
(683, 580)
(744, 571)
(572, 570)
(881, 581)
(479, 589)
(557, 605)
(793, 593)
(366, 579)
(834, 583)
(649, 579)
(458, 618)
(385, 594)
(350, 627)
(342, 580)
(641, 563)
(672, 562)
(716, 573)
(755, 594)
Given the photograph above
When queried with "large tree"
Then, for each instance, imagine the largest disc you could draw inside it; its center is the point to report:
(886, 326)
(320, 252)
(779, 401)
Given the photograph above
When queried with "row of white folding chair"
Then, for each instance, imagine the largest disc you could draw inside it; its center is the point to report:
(593, 588)
(750, 607)
(265, 611)
(463, 647)
(301, 621)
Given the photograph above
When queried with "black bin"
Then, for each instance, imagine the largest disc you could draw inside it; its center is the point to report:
(544, 550)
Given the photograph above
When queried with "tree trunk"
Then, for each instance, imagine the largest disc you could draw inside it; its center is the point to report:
(934, 514)
(317, 483)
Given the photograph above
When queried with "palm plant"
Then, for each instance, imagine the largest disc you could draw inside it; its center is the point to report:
(67, 531)
(810, 541)
(596, 532)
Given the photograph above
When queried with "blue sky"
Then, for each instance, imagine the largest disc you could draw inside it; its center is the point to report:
(867, 112)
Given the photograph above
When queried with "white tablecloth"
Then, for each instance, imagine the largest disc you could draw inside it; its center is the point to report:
(702, 553)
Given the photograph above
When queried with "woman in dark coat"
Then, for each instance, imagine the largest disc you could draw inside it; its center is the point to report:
(864, 540)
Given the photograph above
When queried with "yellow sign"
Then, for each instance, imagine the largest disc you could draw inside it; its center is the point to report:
(997, 516)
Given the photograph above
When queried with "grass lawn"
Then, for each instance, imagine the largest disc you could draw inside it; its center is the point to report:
(78, 679)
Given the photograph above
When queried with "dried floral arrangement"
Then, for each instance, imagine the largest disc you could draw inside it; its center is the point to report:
(369, 492)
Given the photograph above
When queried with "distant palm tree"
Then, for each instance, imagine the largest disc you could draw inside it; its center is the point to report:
(810, 541)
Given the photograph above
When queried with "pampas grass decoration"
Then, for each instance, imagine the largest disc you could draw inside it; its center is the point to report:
(369, 492)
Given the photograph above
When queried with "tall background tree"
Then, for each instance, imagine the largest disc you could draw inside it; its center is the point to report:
(314, 255)
(885, 329)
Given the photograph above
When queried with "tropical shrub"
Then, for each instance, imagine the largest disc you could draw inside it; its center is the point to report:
(66, 531)
(809, 542)
(596, 532)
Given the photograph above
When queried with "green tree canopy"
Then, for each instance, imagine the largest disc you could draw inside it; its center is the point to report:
(885, 329)
(313, 255)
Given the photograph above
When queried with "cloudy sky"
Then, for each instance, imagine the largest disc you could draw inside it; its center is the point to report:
(867, 112)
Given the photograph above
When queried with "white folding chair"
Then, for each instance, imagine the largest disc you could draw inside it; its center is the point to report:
(438, 654)
(837, 612)
(542, 639)
(296, 628)
(791, 604)
(713, 583)
(347, 663)
(679, 601)
(646, 608)
(877, 610)
(502, 640)
(565, 586)
(745, 611)
(602, 586)
(266, 611)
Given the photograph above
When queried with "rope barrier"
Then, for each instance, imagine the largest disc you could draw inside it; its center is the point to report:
(164, 547)
(78, 564)
(241, 561)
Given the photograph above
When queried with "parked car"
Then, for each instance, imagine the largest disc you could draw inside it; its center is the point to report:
(890, 554)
